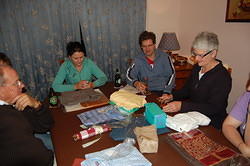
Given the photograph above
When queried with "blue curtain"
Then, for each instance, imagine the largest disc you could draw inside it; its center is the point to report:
(34, 35)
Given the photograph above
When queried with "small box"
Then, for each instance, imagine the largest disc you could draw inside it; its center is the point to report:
(155, 116)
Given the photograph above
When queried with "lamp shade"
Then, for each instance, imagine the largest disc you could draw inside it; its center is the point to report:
(169, 42)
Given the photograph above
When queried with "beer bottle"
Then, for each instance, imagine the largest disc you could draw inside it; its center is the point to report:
(52, 98)
(118, 80)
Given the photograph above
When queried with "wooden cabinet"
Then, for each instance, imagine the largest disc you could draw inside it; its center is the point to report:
(182, 73)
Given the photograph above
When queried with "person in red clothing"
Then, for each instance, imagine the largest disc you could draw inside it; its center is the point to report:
(20, 117)
(152, 70)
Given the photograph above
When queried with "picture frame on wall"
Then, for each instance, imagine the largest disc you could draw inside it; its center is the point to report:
(238, 11)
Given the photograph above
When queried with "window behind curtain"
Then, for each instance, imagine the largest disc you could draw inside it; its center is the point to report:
(34, 35)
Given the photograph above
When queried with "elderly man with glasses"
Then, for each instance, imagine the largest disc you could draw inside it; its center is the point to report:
(20, 117)
(209, 85)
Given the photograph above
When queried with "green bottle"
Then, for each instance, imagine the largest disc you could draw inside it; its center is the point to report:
(52, 98)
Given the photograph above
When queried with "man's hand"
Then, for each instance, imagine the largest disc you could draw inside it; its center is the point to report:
(165, 98)
(140, 86)
(24, 100)
(84, 84)
(173, 106)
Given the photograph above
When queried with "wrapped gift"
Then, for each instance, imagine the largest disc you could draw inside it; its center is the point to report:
(155, 116)
(147, 139)
(92, 131)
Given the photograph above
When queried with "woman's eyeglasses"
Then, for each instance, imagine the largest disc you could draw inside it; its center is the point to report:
(202, 56)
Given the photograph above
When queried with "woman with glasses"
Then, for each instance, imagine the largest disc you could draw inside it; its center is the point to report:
(208, 86)
(239, 117)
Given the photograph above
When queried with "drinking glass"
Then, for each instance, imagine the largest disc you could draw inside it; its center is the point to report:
(145, 82)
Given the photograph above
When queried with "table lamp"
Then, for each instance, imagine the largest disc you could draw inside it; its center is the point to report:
(169, 42)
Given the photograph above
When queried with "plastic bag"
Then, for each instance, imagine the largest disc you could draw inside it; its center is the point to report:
(123, 154)
(122, 149)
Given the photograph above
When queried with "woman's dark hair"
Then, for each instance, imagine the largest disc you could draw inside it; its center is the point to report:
(73, 47)
(146, 36)
(5, 59)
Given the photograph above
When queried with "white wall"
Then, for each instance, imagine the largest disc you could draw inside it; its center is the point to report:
(189, 17)
(161, 16)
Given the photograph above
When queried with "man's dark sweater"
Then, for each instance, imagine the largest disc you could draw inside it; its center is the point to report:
(18, 146)
(208, 95)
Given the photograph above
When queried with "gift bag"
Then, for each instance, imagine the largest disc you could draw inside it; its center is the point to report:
(147, 139)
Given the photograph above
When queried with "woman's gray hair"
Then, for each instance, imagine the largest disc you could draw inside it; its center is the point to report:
(206, 41)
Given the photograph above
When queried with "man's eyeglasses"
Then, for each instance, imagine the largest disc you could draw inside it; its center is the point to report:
(18, 83)
(202, 56)
(147, 46)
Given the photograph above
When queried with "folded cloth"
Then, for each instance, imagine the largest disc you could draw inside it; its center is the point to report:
(124, 110)
(107, 158)
(83, 95)
(119, 134)
(127, 99)
(129, 88)
(101, 115)
(202, 120)
(187, 121)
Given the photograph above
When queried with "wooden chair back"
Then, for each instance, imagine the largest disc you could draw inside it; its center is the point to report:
(61, 61)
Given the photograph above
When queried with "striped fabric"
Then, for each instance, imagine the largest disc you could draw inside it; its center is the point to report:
(101, 115)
